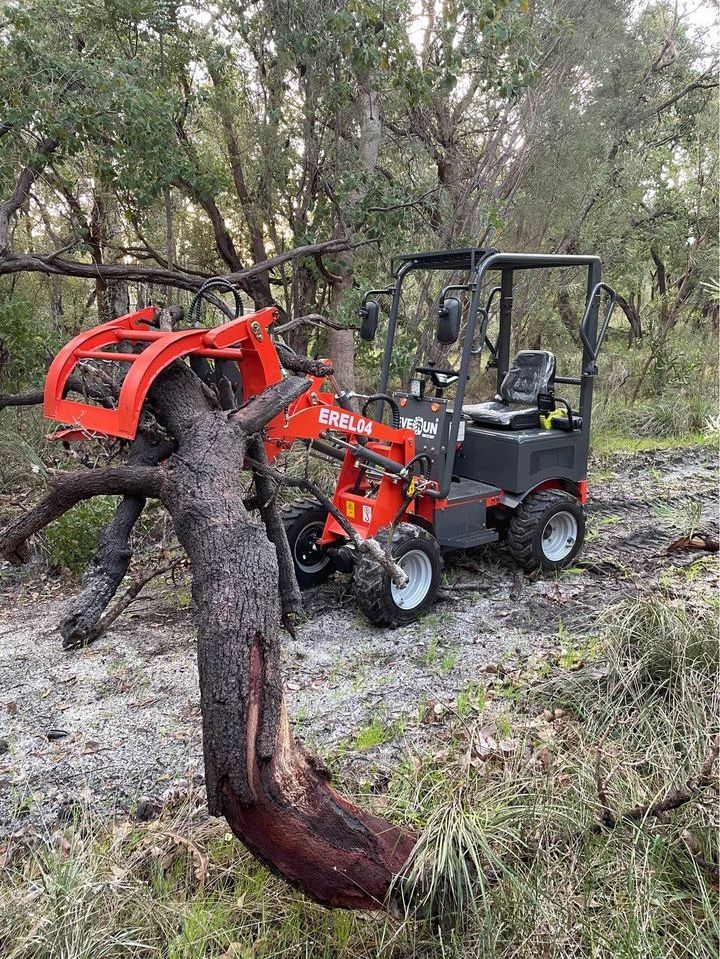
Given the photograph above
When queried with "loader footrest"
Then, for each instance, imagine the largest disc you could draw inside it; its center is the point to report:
(467, 490)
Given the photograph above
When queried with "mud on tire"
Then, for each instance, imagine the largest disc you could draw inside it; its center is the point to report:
(547, 530)
(304, 521)
(417, 551)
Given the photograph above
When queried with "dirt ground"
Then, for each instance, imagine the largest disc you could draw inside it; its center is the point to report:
(120, 720)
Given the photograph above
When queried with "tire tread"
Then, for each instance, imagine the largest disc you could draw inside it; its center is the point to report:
(370, 579)
(524, 524)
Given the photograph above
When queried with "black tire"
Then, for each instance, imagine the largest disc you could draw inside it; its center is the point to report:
(304, 521)
(373, 589)
(531, 530)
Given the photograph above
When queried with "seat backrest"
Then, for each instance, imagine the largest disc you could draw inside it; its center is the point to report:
(531, 373)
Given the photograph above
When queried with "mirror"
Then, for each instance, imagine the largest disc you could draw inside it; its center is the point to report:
(448, 325)
(369, 320)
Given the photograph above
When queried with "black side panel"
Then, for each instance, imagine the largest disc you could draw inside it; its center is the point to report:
(429, 426)
(463, 526)
(517, 461)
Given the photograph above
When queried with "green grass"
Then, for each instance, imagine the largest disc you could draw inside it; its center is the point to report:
(614, 442)
(377, 732)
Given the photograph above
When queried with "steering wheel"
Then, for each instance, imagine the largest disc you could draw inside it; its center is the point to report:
(439, 376)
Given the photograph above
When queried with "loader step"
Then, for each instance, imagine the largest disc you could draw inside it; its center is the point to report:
(467, 490)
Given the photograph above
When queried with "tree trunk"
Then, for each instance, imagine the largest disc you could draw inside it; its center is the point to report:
(276, 797)
(631, 309)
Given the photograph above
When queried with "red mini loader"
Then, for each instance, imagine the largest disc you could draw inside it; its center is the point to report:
(513, 469)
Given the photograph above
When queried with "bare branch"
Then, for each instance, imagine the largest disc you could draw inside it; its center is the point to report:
(312, 319)
(673, 800)
(115, 611)
(258, 411)
(302, 364)
(369, 546)
(70, 489)
(22, 188)
(179, 279)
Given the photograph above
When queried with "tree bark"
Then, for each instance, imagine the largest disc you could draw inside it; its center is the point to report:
(111, 561)
(275, 796)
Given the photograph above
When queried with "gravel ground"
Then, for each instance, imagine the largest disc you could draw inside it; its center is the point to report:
(107, 725)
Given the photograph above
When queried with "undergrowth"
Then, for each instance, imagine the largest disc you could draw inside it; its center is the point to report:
(511, 860)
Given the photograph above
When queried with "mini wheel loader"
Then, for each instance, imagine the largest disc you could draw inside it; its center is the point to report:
(443, 474)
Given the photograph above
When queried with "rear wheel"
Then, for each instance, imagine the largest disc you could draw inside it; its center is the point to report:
(304, 522)
(417, 553)
(547, 530)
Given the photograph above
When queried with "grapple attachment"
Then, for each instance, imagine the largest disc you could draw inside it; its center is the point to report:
(135, 341)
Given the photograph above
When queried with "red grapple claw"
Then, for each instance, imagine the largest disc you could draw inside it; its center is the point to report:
(244, 340)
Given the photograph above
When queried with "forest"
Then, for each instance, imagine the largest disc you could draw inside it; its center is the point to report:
(240, 714)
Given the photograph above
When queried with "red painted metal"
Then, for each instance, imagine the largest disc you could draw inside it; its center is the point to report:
(107, 355)
(243, 340)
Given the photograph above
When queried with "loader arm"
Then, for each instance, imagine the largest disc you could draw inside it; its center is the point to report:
(371, 485)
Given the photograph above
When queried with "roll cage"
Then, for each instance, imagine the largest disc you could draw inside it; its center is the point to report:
(478, 263)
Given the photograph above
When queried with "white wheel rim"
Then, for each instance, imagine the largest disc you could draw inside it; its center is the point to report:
(418, 568)
(304, 549)
(559, 536)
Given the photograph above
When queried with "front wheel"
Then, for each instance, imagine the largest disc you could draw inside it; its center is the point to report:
(417, 553)
(546, 530)
(304, 522)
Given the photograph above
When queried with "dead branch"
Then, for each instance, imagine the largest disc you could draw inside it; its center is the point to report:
(131, 272)
(699, 540)
(302, 364)
(108, 567)
(290, 599)
(68, 490)
(369, 546)
(36, 397)
(118, 608)
(259, 410)
(673, 800)
(311, 319)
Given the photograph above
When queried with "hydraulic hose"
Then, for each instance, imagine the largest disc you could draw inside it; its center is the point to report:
(425, 462)
(214, 283)
(394, 408)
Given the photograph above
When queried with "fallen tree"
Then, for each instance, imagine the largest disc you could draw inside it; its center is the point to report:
(277, 798)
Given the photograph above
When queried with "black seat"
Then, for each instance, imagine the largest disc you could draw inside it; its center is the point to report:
(531, 373)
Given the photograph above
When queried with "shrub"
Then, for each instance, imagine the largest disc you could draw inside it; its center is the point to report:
(72, 539)
(26, 337)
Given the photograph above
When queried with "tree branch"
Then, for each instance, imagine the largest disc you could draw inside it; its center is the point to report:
(297, 363)
(258, 411)
(673, 800)
(22, 188)
(179, 279)
(108, 567)
(70, 489)
(312, 319)
(130, 595)
(369, 546)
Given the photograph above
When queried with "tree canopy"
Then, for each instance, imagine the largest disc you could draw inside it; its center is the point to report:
(160, 143)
